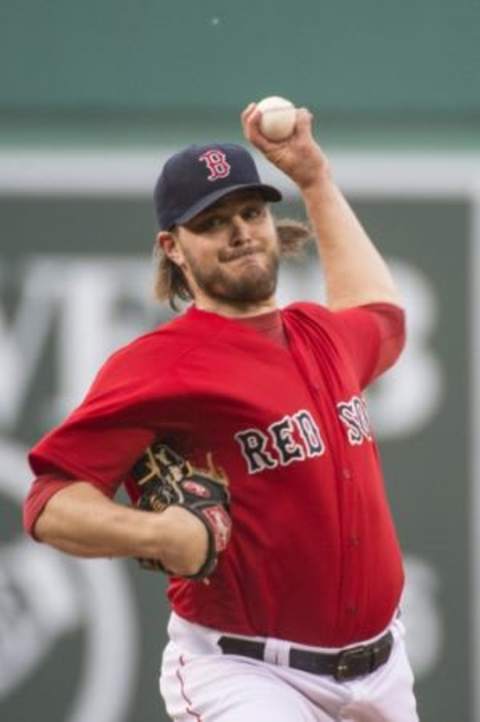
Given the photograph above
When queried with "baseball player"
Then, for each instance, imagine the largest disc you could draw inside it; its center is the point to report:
(241, 433)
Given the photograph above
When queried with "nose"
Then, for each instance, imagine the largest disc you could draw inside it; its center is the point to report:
(240, 231)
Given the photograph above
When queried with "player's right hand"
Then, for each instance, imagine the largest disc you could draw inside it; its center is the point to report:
(299, 156)
(182, 541)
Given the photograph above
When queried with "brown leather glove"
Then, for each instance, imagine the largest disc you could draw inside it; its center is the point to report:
(166, 479)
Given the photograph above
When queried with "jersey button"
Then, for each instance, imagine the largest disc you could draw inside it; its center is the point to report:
(354, 540)
(352, 609)
(346, 473)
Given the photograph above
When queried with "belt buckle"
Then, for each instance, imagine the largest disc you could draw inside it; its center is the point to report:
(342, 673)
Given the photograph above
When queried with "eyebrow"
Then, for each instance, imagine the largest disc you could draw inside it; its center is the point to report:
(228, 204)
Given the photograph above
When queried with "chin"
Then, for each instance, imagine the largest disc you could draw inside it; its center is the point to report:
(253, 289)
(252, 281)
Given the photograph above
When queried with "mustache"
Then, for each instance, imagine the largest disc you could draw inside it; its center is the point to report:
(226, 256)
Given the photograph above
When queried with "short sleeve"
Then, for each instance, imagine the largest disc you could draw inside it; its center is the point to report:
(374, 336)
(100, 441)
(41, 490)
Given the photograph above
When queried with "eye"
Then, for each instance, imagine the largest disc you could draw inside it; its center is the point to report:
(212, 223)
(252, 212)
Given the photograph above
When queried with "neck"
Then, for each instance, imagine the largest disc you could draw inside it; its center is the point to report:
(235, 310)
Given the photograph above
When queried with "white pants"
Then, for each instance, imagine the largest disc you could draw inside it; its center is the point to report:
(200, 684)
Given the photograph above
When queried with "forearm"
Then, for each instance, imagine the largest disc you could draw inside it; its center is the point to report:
(355, 273)
(80, 520)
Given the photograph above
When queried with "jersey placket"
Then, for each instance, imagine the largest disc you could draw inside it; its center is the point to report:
(347, 494)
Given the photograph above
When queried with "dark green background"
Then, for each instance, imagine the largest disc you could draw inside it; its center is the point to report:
(423, 56)
(135, 70)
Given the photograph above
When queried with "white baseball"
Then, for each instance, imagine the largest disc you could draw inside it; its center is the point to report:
(278, 117)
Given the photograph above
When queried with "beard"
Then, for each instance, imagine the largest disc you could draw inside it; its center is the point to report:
(249, 284)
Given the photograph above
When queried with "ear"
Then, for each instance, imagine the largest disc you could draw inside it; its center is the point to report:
(169, 244)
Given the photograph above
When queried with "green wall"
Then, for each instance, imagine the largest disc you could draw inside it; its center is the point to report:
(149, 66)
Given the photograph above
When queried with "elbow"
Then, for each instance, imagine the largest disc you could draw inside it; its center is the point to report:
(35, 522)
(42, 491)
(40, 528)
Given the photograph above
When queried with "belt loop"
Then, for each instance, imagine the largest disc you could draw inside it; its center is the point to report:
(270, 654)
(283, 653)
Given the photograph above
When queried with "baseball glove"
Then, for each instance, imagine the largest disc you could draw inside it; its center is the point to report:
(165, 479)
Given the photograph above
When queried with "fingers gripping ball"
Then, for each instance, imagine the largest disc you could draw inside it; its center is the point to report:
(278, 118)
(165, 479)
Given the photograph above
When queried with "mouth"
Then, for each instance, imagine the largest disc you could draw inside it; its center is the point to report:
(242, 254)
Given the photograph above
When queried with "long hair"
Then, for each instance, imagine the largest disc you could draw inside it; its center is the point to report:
(170, 283)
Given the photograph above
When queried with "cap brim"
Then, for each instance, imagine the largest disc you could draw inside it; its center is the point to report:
(268, 192)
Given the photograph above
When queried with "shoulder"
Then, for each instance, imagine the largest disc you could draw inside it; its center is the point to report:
(373, 312)
(165, 335)
(308, 311)
(155, 351)
(366, 324)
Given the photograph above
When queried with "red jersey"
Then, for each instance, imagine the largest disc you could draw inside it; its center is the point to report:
(313, 556)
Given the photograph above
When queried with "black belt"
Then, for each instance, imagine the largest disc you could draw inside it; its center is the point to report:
(344, 665)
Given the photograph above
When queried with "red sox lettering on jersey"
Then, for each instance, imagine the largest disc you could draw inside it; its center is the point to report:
(354, 415)
(217, 164)
(255, 443)
(297, 437)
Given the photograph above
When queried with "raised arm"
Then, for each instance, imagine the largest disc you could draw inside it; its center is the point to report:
(355, 272)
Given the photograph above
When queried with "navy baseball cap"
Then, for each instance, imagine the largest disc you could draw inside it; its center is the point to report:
(198, 176)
